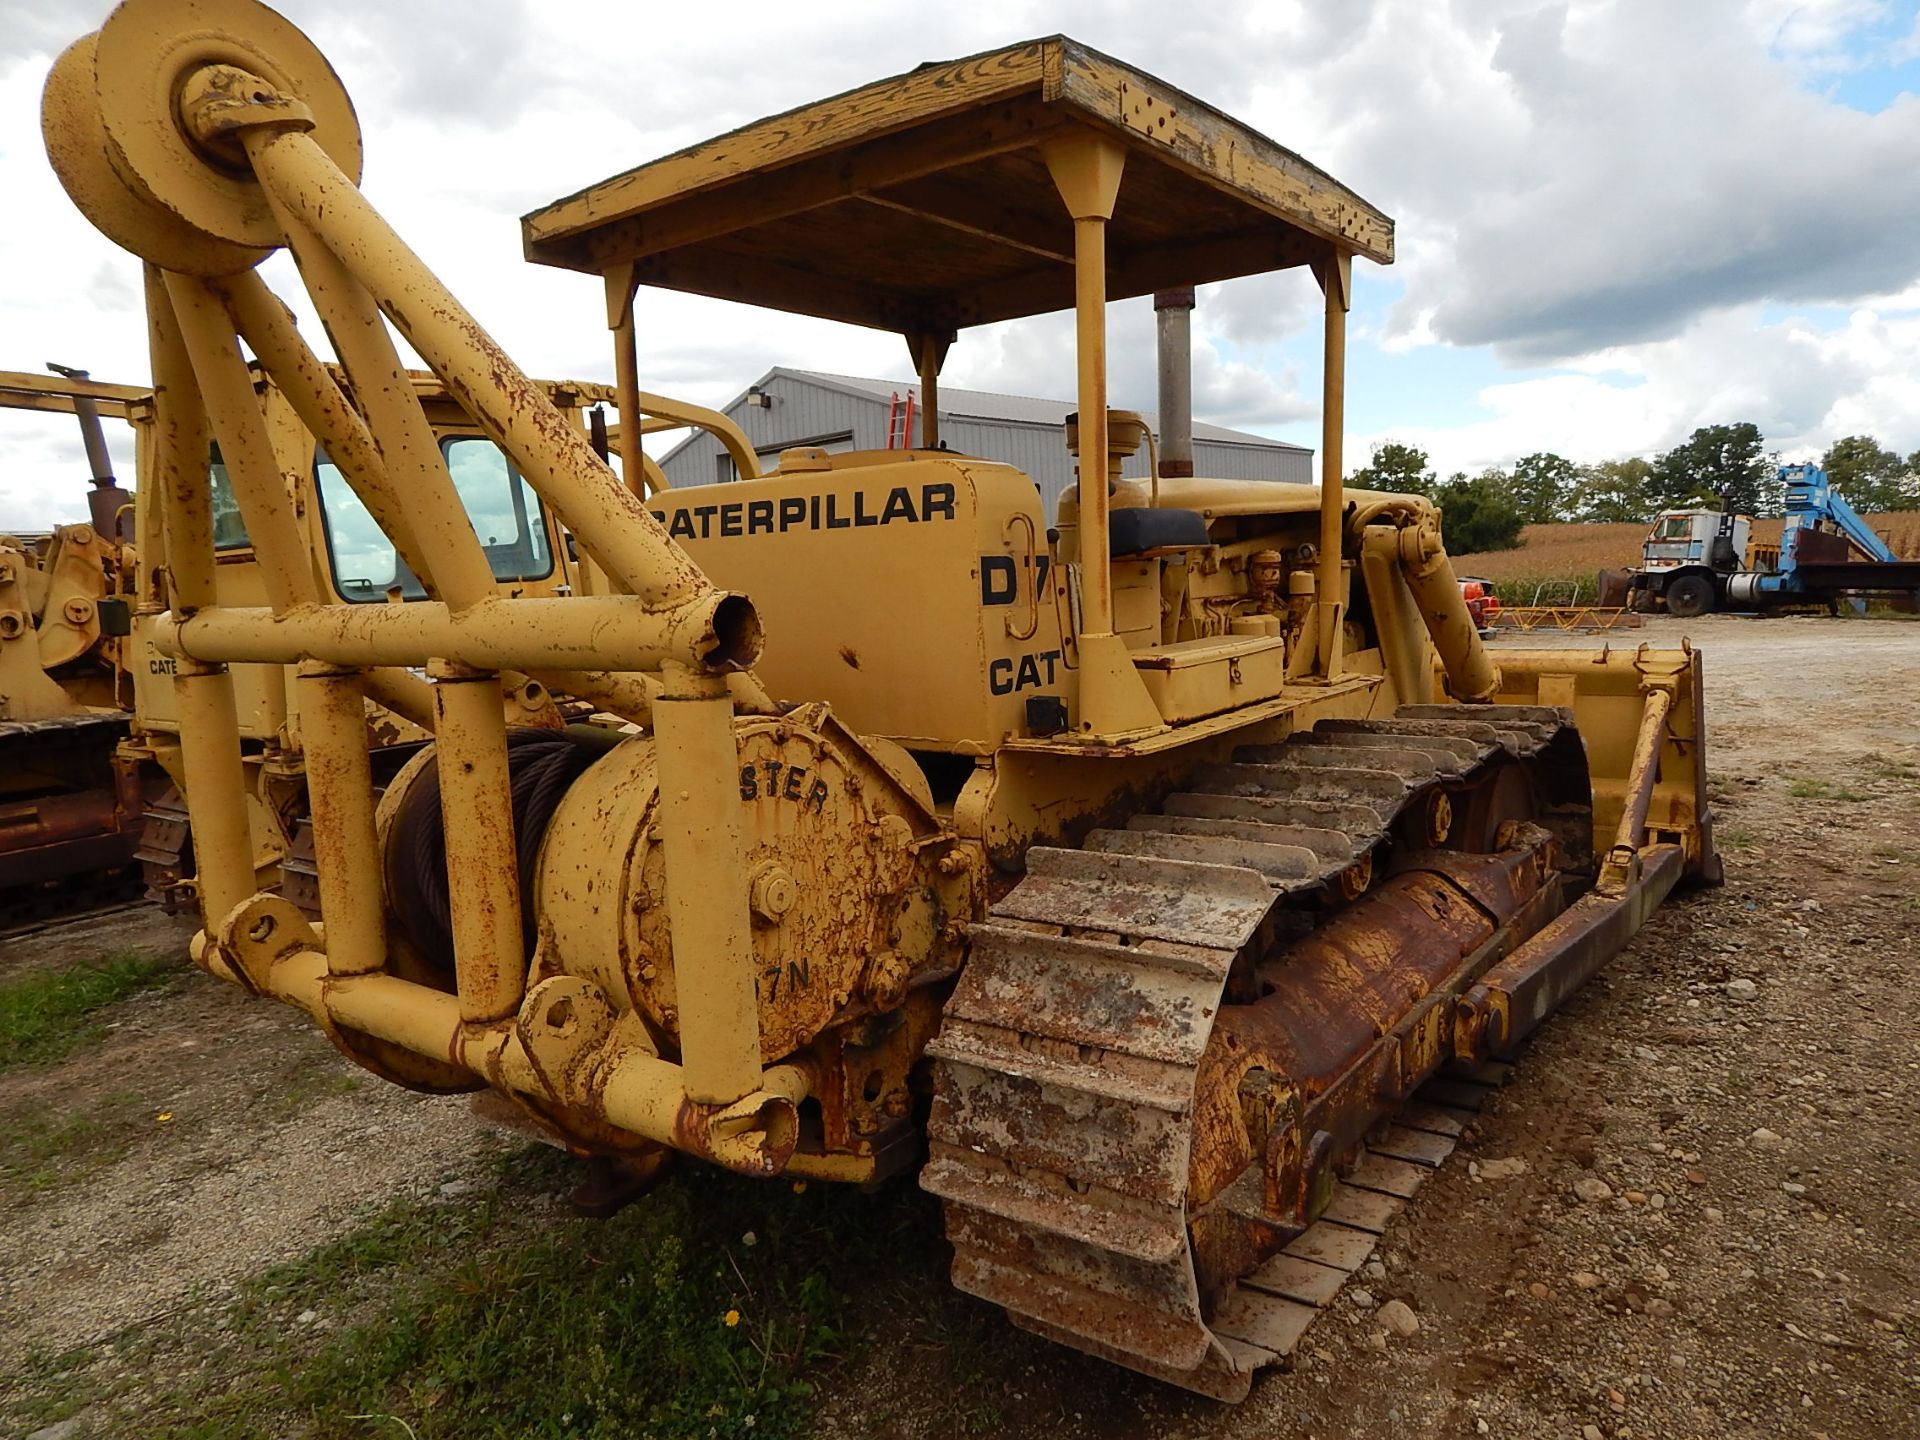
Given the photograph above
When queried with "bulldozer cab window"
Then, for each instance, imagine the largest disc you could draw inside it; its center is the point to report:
(505, 514)
(1674, 527)
(229, 528)
(504, 511)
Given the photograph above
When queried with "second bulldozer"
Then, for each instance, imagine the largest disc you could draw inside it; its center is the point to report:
(1133, 867)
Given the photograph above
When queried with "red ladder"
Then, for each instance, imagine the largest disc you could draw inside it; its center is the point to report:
(900, 421)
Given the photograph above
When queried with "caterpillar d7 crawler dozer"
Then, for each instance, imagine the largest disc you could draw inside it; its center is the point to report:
(1136, 871)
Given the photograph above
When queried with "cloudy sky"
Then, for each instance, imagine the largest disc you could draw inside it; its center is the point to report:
(1617, 219)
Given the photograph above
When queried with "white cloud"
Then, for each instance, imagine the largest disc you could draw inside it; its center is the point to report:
(1803, 385)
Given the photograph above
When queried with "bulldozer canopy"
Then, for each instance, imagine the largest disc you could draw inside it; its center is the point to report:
(922, 204)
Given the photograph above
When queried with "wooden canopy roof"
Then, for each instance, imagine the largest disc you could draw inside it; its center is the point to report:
(921, 204)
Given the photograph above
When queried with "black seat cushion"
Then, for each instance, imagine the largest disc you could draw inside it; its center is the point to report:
(1140, 528)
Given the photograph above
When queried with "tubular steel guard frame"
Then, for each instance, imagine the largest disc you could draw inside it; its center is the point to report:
(255, 153)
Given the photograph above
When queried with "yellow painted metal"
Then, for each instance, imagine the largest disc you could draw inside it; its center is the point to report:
(180, 456)
(268, 328)
(533, 633)
(809, 891)
(1189, 679)
(632, 1089)
(667, 413)
(1622, 858)
(1336, 278)
(612, 524)
(476, 806)
(1086, 169)
(815, 165)
(1471, 672)
(27, 692)
(422, 490)
(209, 750)
(24, 390)
(227, 391)
(626, 372)
(209, 739)
(706, 878)
(402, 692)
(929, 351)
(1404, 650)
(333, 730)
(1608, 691)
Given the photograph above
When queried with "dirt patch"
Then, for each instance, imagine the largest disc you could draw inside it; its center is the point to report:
(56, 944)
(233, 1137)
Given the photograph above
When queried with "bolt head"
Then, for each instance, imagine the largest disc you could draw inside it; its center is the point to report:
(771, 892)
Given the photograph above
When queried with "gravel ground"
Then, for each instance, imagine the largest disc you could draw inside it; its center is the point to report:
(1717, 1231)
(228, 1136)
(1712, 1228)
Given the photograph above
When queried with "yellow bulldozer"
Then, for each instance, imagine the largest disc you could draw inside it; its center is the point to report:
(1158, 877)
(70, 806)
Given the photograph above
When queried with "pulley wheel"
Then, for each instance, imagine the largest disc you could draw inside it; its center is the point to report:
(115, 137)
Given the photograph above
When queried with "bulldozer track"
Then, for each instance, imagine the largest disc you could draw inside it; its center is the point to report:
(62, 795)
(1066, 1069)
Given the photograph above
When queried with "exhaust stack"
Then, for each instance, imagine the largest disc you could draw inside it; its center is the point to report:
(106, 502)
(1173, 317)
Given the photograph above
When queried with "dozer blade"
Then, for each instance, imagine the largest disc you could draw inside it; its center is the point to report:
(1607, 691)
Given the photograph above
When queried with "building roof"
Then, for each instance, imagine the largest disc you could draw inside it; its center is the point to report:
(958, 404)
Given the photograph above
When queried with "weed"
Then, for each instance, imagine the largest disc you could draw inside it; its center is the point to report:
(41, 1147)
(45, 1016)
(710, 1307)
(33, 1145)
(305, 1087)
(1821, 790)
(1734, 837)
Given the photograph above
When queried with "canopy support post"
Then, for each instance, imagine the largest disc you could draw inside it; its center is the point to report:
(929, 349)
(1335, 275)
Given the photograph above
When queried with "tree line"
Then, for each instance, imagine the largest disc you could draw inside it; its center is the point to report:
(1716, 465)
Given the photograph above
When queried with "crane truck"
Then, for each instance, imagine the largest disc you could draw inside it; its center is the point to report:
(1695, 561)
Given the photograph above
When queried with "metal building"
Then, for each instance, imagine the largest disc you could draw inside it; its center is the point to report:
(847, 412)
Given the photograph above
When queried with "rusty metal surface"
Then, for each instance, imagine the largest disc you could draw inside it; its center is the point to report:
(66, 809)
(1519, 993)
(1139, 1101)
(1572, 618)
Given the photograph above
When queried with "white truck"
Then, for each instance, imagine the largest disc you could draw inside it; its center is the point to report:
(1694, 561)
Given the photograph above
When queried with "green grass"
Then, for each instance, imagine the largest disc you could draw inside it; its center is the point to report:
(1733, 837)
(1821, 790)
(42, 1146)
(500, 1315)
(36, 1147)
(46, 1016)
(302, 1089)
